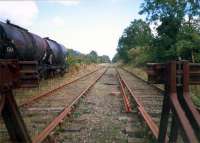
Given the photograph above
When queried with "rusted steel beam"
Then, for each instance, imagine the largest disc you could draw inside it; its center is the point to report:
(9, 75)
(164, 117)
(175, 79)
(174, 129)
(176, 105)
(38, 97)
(2, 102)
(183, 119)
(157, 73)
(187, 104)
(66, 111)
(13, 120)
(125, 98)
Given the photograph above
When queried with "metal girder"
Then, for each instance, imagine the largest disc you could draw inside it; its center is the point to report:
(9, 75)
(157, 72)
(177, 75)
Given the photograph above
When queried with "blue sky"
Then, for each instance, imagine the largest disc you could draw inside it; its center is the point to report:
(83, 25)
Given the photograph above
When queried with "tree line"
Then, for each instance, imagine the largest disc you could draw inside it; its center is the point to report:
(176, 34)
(75, 57)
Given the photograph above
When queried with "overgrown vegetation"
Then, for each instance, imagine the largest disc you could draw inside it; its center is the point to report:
(74, 58)
(176, 34)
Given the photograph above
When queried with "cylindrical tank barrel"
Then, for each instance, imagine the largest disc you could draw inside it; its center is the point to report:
(28, 46)
(59, 51)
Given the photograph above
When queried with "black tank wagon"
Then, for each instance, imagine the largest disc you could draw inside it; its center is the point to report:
(38, 57)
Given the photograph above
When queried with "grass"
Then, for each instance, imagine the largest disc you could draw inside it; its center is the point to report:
(49, 84)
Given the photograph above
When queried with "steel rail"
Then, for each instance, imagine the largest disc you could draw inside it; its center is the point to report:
(154, 86)
(157, 88)
(66, 111)
(125, 98)
(147, 118)
(38, 97)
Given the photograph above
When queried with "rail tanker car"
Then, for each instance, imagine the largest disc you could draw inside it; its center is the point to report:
(38, 57)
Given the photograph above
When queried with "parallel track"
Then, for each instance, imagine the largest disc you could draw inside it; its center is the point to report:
(44, 112)
(64, 112)
(38, 97)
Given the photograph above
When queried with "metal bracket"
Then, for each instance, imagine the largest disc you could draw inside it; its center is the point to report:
(9, 75)
(177, 75)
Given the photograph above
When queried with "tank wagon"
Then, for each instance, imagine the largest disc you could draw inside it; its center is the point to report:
(38, 57)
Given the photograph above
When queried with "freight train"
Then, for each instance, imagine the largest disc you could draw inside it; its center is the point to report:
(44, 55)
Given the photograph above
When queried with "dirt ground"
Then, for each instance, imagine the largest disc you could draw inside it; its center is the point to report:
(100, 117)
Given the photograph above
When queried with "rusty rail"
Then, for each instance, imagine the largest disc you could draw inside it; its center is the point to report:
(38, 97)
(66, 111)
(147, 118)
(125, 98)
(156, 87)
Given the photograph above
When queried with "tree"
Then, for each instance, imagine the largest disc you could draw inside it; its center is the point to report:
(188, 42)
(137, 34)
(93, 56)
(115, 58)
(171, 14)
(104, 59)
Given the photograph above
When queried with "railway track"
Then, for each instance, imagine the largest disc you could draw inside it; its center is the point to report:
(44, 112)
(149, 101)
(147, 97)
(100, 117)
(152, 85)
(40, 96)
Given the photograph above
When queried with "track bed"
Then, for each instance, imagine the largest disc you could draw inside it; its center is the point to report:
(101, 116)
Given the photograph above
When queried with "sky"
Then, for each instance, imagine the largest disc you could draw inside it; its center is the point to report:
(82, 25)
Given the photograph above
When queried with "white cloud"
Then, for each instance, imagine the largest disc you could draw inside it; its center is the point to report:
(19, 12)
(58, 22)
(66, 2)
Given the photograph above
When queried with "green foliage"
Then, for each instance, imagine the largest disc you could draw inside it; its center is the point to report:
(74, 57)
(178, 33)
(115, 58)
(93, 56)
(173, 9)
(103, 59)
(139, 56)
(172, 15)
(135, 35)
(188, 43)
